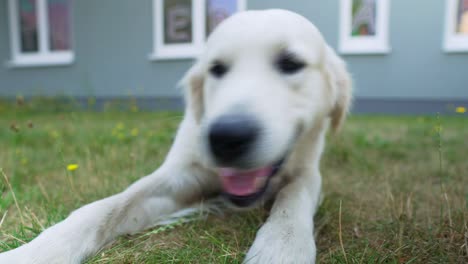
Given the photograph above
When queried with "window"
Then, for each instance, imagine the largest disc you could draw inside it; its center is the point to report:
(456, 26)
(218, 10)
(182, 26)
(364, 27)
(40, 32)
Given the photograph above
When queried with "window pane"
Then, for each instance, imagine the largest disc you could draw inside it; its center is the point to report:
(217, 11)
(462, 18)
(178, 21)
(59, 24)
(364, 18)
(28, 25)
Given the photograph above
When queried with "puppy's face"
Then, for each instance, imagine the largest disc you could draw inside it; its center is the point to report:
(261, 83)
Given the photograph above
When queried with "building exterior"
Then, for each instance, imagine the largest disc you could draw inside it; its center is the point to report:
(405, 56)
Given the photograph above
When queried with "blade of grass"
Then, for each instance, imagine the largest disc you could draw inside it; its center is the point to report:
(340, 234)
(13, 194)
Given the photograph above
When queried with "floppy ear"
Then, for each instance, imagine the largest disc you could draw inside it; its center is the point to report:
(340, 83)
(192, 83)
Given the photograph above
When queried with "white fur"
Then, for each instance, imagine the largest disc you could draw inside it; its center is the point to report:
(283, 103)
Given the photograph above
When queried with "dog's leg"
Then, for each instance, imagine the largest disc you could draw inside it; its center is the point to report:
(178, 183)
(287, 235)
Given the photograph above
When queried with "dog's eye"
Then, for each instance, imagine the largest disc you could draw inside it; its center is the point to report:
(289, 64)
(218, 69)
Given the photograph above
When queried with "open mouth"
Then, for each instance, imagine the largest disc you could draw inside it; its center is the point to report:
(244, 187)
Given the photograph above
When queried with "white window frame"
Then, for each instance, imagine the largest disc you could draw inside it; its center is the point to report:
(163, 51)
(44, 56)
(453, 42)
(378, 44)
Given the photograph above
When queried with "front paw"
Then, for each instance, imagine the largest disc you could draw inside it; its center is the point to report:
(282, 243)
(50, 247)
(28, 255)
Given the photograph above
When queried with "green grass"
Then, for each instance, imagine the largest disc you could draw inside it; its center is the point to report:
(399, 204)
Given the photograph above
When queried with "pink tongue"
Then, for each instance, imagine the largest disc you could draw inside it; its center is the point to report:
(242, 183)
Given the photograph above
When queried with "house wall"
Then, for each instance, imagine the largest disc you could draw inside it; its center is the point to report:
(113, 40)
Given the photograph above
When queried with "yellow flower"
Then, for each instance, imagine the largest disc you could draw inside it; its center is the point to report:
(134, 132)
(72, 167)
(54, 134)
(24, 161)
(120, 126)
(460, 110)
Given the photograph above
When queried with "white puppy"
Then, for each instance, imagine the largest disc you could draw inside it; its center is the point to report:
(259, 102)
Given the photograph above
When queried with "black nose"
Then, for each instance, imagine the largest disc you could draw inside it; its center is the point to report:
(231, 136)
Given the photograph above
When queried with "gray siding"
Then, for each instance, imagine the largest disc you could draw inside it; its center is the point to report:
(113, 39)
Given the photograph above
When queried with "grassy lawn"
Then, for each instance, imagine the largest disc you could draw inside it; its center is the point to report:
(398, 184)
